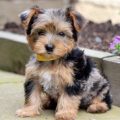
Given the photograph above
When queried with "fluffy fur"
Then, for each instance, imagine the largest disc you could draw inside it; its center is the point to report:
(68, 83)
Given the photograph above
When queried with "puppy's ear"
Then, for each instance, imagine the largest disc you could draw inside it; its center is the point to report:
(29, 15)
(78, 20)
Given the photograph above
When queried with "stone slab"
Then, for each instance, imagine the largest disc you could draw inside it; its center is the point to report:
(13, 37)
(95, 53)
(12, 98)
(111, 68)
(13, 54)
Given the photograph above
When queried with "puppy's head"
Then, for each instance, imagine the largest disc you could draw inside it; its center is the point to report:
(52, 32)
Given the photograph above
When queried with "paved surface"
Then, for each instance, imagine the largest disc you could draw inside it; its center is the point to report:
(12, 98)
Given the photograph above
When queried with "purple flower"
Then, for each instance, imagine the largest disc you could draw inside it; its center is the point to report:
(116, 41)
(112, 46)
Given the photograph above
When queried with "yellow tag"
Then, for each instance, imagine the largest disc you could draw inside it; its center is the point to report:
(45, 58)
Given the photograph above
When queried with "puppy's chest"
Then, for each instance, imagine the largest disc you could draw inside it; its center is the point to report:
(54, 78)
(47, 81)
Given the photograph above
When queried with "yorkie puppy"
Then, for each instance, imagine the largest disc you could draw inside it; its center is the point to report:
(59, 73)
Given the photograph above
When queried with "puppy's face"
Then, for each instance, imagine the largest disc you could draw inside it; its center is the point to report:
(52, 32)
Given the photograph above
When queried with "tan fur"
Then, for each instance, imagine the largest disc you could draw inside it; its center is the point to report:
(54, 26)
(60, 75)
(32, 11)
(97, 106)
(32, 105)
(67, 107)
(30, 42)
(74, 21)
(29, 111)
(39, 46)
(61, 46)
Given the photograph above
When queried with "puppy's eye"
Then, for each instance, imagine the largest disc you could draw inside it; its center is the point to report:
(61, 34)
(41, 32)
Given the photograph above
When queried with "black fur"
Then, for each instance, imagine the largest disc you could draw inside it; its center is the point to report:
(82, 69)
(74, 32)
(108, 100)
(75, 89)
(52, 105)
(95, 86)
(28, 31)
(102, 88)
(80, 21)
(68, 19)
(28, 88)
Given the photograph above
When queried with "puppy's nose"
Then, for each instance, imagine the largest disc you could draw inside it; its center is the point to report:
(49, 47)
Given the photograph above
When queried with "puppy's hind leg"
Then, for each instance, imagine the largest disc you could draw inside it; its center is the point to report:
(102, 102)
(32, 100)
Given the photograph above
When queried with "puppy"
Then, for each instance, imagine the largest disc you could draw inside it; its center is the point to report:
(59, 73)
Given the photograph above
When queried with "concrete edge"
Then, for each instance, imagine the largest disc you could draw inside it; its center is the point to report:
(13, 37)
(89, 52)
(22, 39)
(96, 53)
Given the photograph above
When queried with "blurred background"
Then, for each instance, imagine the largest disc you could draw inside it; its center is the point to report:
(95, 10)
(103, 25)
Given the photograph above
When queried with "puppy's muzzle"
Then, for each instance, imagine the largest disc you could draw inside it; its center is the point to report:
(49, 48)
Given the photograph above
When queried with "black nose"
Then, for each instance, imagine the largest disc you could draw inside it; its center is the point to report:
(49, 47)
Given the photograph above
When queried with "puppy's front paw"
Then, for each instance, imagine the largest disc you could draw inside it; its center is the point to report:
(65, 115)
(27, 112)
